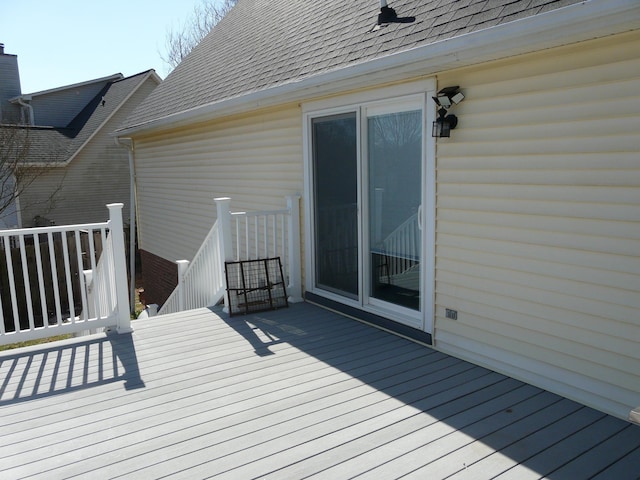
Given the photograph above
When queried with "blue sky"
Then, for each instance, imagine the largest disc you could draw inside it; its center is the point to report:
(70, 41)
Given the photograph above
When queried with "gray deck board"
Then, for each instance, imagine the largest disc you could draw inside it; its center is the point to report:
(495, 463)
(295, 393)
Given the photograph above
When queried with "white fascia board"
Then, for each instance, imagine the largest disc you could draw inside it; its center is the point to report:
(25, 98)
(575, 23)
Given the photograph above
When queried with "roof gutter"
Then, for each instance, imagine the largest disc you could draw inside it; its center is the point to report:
(130, 146)
(583, 21)
(22, 101)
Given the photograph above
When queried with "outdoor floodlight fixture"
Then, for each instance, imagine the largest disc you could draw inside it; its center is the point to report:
(445, 99)
(448, 96)
(444, 124)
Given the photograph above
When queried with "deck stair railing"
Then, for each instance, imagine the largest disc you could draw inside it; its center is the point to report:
(199, 281)
(402, 246)
(100, 282)
(238, 236)
(63, 279)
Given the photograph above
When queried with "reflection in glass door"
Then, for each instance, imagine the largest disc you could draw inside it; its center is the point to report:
(394, 150)
(335, 186)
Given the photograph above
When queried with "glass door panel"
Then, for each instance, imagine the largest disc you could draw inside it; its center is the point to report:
(394, 145)
(335, 184)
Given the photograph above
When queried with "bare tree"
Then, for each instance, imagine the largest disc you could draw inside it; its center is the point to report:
(17, 169)
(179, 42)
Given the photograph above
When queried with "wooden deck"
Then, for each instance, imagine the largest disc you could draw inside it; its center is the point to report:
(300, 392)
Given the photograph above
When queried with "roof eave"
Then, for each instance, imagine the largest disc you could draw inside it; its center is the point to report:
(110, 78)
(579, 22)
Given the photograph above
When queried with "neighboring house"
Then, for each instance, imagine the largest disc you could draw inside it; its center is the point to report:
(80, 168)
(9, 113)
(9, 217)
(528, 240)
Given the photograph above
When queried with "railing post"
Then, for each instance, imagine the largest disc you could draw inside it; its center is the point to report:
(223, 205)
(295, 271)
(90, 287)
(182, 269)
(120, 267)
(91, 306)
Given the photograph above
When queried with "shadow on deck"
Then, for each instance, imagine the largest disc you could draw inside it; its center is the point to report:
(291, 393)
(530, 429)
(63, 367)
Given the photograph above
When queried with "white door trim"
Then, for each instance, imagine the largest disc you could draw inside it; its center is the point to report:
(357, 102)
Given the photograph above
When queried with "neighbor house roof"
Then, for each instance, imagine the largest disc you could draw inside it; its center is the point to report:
(48, 144)
(265, 44)
(109, 78)
(60, 145)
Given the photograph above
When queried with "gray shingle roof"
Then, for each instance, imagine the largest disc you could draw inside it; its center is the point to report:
(48, 144)
(267, 43)
(51, 144)
(94, 114)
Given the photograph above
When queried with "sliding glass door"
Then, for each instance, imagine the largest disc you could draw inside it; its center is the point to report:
(394, 158)
(335, 184)
(367, 179)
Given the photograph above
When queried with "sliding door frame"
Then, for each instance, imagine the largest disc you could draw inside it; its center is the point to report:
(413, 93)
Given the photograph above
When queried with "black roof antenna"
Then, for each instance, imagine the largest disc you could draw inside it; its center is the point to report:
(389, 15)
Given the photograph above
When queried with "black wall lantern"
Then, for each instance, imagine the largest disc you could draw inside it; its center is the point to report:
(444, 124)
(446, 98)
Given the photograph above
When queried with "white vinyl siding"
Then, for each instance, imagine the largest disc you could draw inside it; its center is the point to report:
(254, 159)
(538, 221)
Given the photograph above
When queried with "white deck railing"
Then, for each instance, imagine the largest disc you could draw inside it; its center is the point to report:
(44, 290)
(239, 236)
(404, 241)
(200, 283)
(397, 257)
